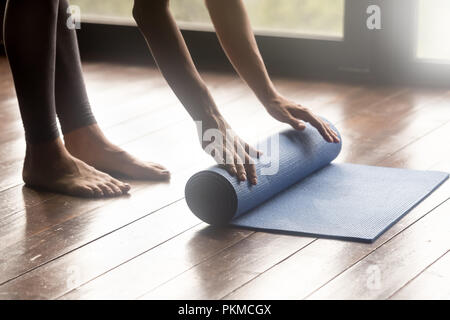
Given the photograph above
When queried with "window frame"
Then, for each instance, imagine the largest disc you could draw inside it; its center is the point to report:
(386, 55)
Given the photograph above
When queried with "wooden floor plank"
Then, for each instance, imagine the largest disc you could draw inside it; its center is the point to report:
(92, 259)
(391, 266)
(433, 283)
(160, 264)
(15, 200)
(217, 276)
(78, 229)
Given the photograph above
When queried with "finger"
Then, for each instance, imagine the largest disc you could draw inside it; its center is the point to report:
(251, 170)
(252, 152)
(238, 162)
(295, 123)
(249, 164)
(320, 126)
(324, 132)
(231, 168)
(333, 134)
(228, 162)
(308, 116)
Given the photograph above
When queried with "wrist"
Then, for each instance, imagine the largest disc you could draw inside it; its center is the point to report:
(272, 100)
(206, 114)
(269, 97)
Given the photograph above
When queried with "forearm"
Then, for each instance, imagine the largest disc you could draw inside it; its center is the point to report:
(173, 59)
(235, 34)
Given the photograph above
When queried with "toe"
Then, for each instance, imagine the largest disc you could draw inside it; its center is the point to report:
(106, 190)
(124, 187)
(153, 173)
(114, 188)
(97, 191)
(156, 165)
(82, 191)
(159, 174)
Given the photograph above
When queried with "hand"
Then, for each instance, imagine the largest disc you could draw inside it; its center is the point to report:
(225, 146)
(295, 114)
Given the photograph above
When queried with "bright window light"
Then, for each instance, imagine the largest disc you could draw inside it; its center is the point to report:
(301, 17)
(434, 30)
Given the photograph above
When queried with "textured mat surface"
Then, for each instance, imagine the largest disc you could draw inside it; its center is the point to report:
(309, 196)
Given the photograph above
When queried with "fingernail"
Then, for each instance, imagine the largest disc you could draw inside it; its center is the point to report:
(243, 177)
(165, 171)
(254, 181)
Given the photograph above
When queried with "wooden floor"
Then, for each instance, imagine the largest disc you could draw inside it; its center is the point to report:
(149, 245)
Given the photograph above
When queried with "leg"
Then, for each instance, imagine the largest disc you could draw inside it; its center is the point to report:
(30, 42)
(2, 14)
(82, 135)
(33, 65)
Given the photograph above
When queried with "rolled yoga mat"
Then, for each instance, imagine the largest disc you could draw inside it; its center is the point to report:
(309, 195)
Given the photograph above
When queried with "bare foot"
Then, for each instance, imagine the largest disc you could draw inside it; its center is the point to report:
(49, 166)
(90, 145)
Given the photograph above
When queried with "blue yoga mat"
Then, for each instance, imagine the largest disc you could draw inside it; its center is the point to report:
(309, 195)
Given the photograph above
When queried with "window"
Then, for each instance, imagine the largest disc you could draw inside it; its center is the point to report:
(113, 11)
(327, 38)
(433, 41)
(291, 17)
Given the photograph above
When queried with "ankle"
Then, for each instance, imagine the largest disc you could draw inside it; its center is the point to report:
(47, 150)
(84, 137)
(43, 158)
